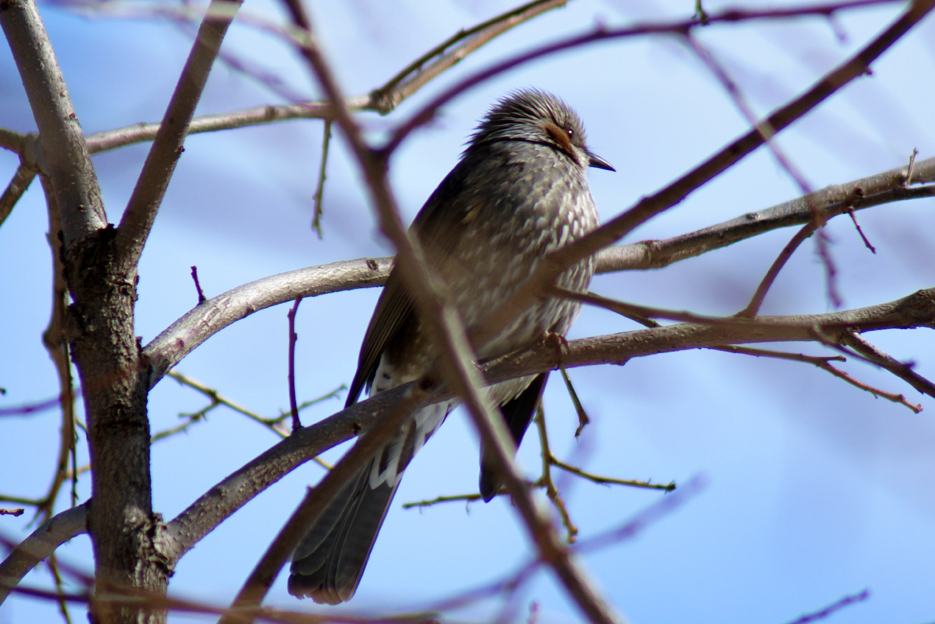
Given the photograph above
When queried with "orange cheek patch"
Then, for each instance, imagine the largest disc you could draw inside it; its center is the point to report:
(560, 137)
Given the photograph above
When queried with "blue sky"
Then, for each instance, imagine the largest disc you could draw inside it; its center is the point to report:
(814, 489)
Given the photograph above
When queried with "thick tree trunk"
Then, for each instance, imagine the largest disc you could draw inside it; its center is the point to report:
(99, 326)
(123, 528)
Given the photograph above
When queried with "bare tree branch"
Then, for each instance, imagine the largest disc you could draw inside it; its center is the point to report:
(63, 153)
(830, 201)
(39, 545)
(12, 140)
(192, 329)
(293, 338)
(823, 613)
(15, 189)
(633, 527)
(546, 479)
(54, 340)
(655, 204)
(241, 486)
(461, 378)
(166, 149)
(383, 99)
(269, 566)
(138, 133)
(889, 363)
(318, 196)
(230, 494)
(646, 485)
(216, 313)
(757, 300)
(420, 72)
(824, 363)
(679, 27)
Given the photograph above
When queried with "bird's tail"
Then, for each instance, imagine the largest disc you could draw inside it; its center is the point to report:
(328, 563)
(330, 559)
(518, 413)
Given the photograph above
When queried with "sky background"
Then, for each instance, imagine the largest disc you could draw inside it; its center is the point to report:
(813, 489)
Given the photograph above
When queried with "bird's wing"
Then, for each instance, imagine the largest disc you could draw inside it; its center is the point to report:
(394, 318)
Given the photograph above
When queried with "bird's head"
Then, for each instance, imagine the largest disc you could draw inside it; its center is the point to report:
(538, 117)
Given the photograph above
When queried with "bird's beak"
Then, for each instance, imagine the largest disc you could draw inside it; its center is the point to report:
(596, 161)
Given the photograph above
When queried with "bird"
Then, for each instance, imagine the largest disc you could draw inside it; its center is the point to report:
(519, 192)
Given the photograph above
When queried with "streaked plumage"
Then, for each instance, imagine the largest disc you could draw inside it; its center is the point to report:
(519, 192)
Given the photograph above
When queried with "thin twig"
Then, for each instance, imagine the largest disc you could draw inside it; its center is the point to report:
(293, 338)
(190, 419)
(20, 181)
(420, 72)
(632, 310)
(824, 363)
(583, 419)
(59, 350)
(860, 231)
(700, 14)
(461, 35)
(59, 588)
(904, 371)
(649, 516)
(836, 606)
(467, 498)
(909, 169)
(877, 392)
(201, 293)
(19, 500)
(633, 527)
(320, 189)
(764, 129)
(824, 252)
(816, 360)
(571, 531)
(757, 300)
(648, 485)
(218, 399)
(274, 424)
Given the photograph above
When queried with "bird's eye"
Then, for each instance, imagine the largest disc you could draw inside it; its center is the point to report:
(570, 132)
